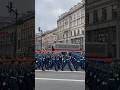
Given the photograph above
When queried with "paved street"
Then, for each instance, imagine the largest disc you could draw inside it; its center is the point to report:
(62, 80)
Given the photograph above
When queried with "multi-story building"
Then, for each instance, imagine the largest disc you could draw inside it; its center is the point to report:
(26, 35)
(49, 38)
(71, 26)
(38, 41)
(103, 28)
(17, 39)
(7, 41)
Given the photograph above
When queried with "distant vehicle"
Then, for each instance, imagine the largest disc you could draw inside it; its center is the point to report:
(64, 46)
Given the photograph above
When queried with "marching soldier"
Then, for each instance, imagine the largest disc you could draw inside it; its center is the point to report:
(66, 61)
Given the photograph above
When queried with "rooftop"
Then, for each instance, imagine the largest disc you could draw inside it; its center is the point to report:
(71, 10)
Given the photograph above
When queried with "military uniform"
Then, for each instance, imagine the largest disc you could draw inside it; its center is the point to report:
(66, 61)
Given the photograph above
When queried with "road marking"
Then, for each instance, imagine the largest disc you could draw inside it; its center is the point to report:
(59, 71)
(53, 79)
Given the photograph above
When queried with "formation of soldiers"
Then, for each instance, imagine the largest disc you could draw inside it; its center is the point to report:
(17, 76)
(103, 76)
(60, 61)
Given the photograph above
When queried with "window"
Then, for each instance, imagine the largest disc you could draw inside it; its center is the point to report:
(83, 20)
(74, 33)
(71, 33)
(88, 36)
(74, 16)
(101, 36)
(95, 16)
(82, 12)
(78, 21)
(18, 44)
(104, 14)
(114, 12)
(70, 18)
(83, 32)
(78, 32)
(66, 22)
(78, 15)
(63, 36)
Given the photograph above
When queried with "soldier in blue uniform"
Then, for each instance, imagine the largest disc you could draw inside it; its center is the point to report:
(41, 63)
(66, 61)
(74, 61)
(82, 62)
(54, 63)
(59, 62)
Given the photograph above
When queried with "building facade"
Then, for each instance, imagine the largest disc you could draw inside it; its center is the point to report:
(26, 35)
(38, 41)
(17, 38)
(7, 41)
(49, 38)
(103, 28)
(71, 26)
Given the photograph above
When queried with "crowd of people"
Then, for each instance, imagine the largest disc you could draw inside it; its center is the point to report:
(102, 76)
(58, 61)
(17, 76)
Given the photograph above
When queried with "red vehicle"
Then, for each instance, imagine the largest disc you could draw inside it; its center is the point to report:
(56, 48)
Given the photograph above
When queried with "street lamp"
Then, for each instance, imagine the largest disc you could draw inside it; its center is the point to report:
(40, 36)
(14, 11)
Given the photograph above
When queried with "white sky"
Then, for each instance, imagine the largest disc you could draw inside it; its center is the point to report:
(47, 12)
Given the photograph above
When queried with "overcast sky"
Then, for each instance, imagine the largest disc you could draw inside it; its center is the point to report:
(47, 12)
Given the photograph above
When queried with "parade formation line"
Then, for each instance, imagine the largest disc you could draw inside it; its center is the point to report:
(53, 79)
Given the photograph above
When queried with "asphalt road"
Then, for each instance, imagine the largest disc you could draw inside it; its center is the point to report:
(66, 80)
